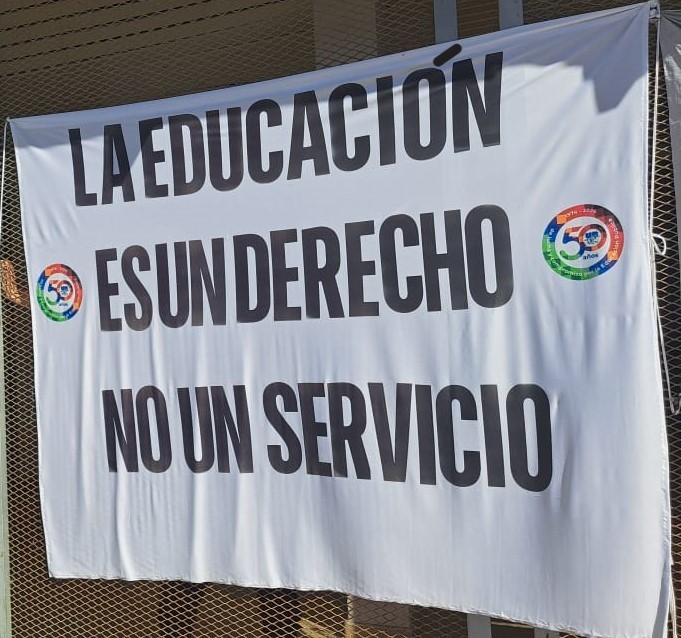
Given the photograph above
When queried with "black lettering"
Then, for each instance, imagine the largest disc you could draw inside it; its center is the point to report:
(182, 185)
(358, 269)
(426, 432)
(207, 459)
(306, 109)
(386, 120)
(437, 101)
(106, 290)
(153, 394)
(281, 275)
(236, 150)
(151, 157)
(143, 320)
(494, 447)
(124, 433)
(293, 449)
(212, 283)
(317, 276)
(339, 142)
(181, 284)
(312, 429)
(83, 198)
(393, 456)
(487, 115)
(348, 436)
(114, 144)
(391, 285)
(503, 266)
(239, 430)
(452, 260)
(244, 312)
(517, 436)
(445, 435)
(256, 170)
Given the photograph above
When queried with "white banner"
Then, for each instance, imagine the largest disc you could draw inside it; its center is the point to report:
(384, 328)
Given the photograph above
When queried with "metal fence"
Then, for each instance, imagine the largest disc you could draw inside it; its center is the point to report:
(59, 55)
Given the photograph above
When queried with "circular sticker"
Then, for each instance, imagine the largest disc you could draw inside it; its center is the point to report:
(59, 292)
(583, 242)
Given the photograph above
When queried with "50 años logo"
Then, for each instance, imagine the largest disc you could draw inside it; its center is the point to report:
(59, 292)
(583, 242)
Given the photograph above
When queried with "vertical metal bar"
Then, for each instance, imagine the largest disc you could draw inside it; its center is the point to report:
(479, 626)
(332, 22)
(446, 21)
(5, 615)
(510, 13)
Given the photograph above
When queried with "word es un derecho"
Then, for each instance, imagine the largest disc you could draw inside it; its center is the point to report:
(325, 430)
(332, 270)
(203, 142)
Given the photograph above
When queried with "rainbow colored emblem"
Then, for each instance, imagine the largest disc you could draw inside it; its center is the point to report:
(583, 242)
(59, 292)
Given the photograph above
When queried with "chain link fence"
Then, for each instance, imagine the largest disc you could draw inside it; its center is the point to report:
(60, 55)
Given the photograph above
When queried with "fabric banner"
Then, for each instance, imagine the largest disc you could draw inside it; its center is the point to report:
(384, 328)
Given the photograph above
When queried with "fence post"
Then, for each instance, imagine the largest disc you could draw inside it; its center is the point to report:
(510, 13)
(446, 20)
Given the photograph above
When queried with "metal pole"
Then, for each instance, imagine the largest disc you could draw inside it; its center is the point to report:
(332, 20)
(446, 21)
(510, 13)
(479, 626)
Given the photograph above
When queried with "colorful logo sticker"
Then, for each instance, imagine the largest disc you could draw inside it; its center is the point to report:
(59, 292)
(583, 242)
